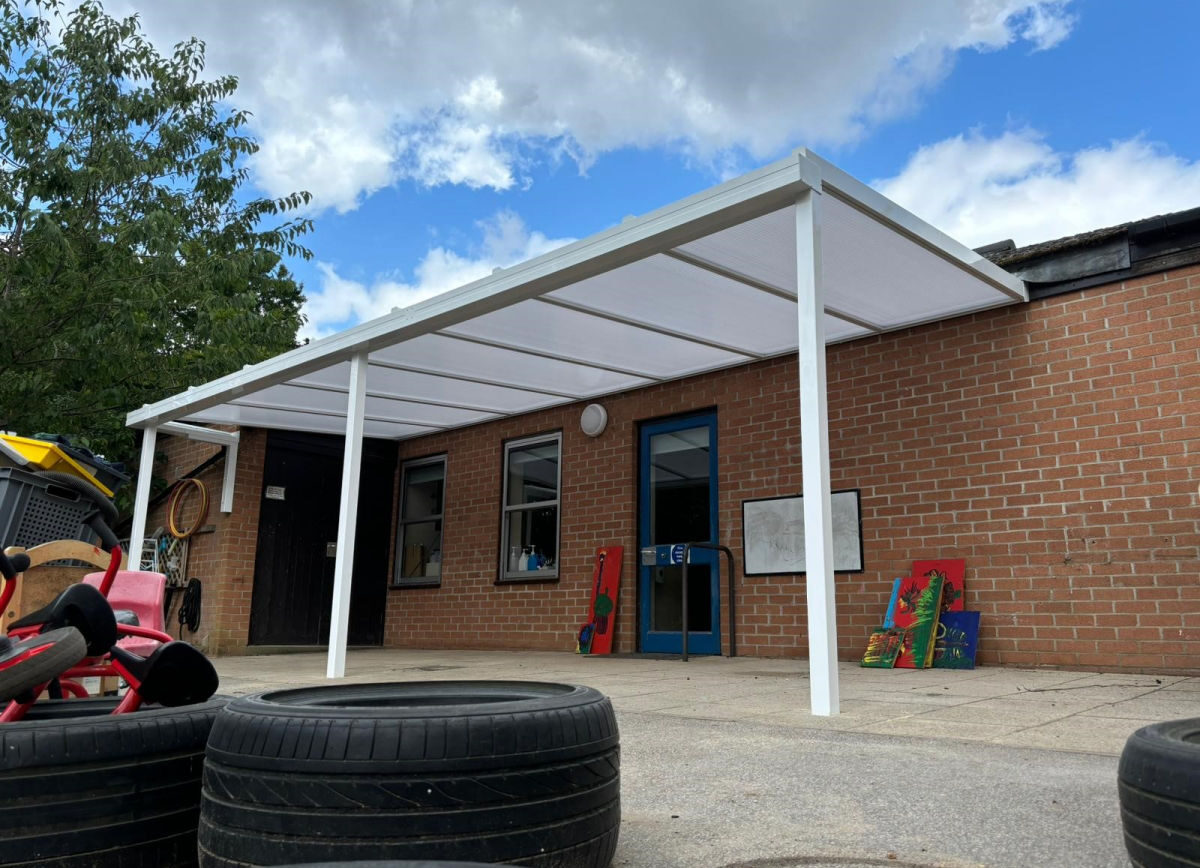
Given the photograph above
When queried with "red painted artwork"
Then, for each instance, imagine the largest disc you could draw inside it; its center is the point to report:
(597, 635)
(952, 571)
(917, 608)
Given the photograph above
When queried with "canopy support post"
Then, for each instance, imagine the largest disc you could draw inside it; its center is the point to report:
(141, 498)
(343, 569)
(814, 451)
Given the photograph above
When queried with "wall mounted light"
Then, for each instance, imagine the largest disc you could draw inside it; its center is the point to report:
(593, 420)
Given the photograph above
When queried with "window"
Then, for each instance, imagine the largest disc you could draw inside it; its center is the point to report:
(419, 537)
(529, 532)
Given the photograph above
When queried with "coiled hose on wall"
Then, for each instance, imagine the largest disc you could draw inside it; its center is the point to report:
(189, 607)
(176, 499)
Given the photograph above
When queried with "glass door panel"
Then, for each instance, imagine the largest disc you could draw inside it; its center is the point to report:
(677, 504)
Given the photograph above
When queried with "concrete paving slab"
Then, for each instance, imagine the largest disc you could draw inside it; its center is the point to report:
(1087, 693)
(1185, 684)
(1160, 705)
(1108, 679)
(1006, 712)
(1080, 734)
(920, 696)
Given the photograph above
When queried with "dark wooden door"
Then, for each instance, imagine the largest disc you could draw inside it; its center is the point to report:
(293, 569)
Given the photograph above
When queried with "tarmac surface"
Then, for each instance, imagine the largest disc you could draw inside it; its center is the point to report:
(722, 765)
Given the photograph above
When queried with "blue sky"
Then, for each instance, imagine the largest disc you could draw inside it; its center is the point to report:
(442, 140)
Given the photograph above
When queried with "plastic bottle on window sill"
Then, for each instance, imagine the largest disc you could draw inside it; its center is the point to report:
(531, 564)
(525, 555)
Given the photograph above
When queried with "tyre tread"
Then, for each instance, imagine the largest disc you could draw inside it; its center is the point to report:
(466, 783)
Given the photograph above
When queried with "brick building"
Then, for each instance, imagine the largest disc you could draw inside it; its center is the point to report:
(1049, 442)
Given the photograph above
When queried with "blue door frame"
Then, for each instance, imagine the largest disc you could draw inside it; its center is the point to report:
(659, 586)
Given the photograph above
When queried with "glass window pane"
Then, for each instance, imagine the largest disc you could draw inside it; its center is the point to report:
(533, 473)
(679, 486)
(423, 487)
(420, 551)
(531, 532)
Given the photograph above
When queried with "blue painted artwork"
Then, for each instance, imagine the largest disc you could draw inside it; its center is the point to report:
(956, 640)
(889, 618)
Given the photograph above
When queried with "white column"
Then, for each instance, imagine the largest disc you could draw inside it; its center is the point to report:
(229, 480)
(141, 498)
(343, 567)
(814, 451)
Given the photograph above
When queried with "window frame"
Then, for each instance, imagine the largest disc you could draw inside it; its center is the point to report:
(398, 579)
(505, 576)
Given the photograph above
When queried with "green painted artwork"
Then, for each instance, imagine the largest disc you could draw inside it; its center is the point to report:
(883, 648)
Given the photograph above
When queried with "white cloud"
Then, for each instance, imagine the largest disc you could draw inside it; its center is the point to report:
(338, 302)
(352, 96)
(1046, 26)
(453, 151)
(979, 189)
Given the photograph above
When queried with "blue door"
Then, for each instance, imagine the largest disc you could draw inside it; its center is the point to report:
(677, 503)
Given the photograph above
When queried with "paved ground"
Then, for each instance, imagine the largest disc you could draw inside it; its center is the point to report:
(723, 765)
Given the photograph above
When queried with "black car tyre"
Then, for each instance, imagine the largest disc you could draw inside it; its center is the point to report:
(391, 863)
(516, 772)
(1158, 782)
(82, 787)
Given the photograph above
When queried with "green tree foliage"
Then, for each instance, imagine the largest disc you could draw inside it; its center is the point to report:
(132, 265)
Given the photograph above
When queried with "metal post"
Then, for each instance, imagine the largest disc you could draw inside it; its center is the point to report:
(687, 556)
(687, 552)
(732, 612)
(814, 451)
(141, 499)
(343, 568)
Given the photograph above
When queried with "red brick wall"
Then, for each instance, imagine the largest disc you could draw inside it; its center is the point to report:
(1052, 445)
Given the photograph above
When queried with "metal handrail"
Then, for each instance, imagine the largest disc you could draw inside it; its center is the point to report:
(687, 551)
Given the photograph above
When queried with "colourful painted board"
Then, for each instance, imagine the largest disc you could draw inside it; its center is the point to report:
(606, 580)
(957, 639)
(952, 570)
(883, 648)
(917, 611)
(889, 617)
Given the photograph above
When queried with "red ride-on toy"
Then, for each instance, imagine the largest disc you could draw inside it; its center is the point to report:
(26, 662)
(78, 636)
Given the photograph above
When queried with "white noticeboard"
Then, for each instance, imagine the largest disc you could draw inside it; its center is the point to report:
(773, 534)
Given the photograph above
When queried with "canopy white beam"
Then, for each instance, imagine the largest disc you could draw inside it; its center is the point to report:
(716, 280)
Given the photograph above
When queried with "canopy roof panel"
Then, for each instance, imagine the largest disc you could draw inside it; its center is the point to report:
(704, 284)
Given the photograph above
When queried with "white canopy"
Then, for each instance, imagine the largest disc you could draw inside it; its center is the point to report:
(782, 260)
